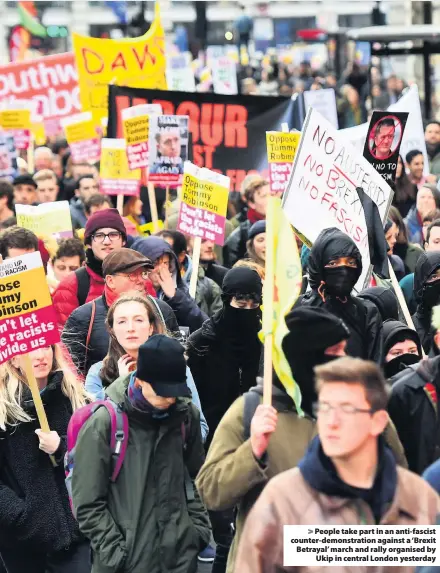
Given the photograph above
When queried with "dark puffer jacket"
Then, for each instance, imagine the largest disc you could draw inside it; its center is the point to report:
(74, 334)
(427, 263)
(361, 316)
(186, 310)
(235, 246)
(35, 513)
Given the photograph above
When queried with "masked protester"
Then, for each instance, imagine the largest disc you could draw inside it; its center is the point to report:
(402, 347)
(335, 265)
(426, 294)
(384, 299)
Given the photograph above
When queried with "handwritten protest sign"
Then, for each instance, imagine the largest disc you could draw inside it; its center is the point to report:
(115, 176)
(323, 101)
(281, 150)
(168, 148)
(18, 121)
(321, 191)
(383, 142)
(204, 203)
(136, 125)
(82, 137)
(46, 219)
(27, 317)
(224, 76)
(179, 74)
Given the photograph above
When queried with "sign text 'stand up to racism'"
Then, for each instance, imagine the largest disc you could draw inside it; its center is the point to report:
(227, 132)
(321, 191)
(27, 317)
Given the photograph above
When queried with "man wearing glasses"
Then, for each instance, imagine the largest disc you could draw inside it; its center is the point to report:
(347, 477)
(104, 233)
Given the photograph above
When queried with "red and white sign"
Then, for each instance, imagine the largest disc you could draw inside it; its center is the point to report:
(51, 81)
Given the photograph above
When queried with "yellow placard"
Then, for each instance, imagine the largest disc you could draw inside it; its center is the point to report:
(147, 229)
(15, 119)
(136, 129)
(114, 165)
(137, 62)
(81, 131)
(39, 133)
(281, 147)
(205, 195)
(54, 222)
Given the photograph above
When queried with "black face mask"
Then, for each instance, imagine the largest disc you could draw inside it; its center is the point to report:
(340, 280)
(241, 321)
(397, 364)
(431, 294)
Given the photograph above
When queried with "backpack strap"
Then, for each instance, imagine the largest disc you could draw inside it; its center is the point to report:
(89, 333)
(251, 403)
(185, 431)
(83, 280)
(118, 435)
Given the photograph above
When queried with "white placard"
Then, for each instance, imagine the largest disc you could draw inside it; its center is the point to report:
(179, 74)
(224, 76)
(323, 101)
(321, 191)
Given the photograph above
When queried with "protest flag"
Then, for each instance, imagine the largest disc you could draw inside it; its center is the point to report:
(281, 289)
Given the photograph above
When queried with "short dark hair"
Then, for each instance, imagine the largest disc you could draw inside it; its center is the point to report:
(431, 216)
(431, 122)
(9, 222)
(179, 240)
(387, 122)
(435, 223)
(435, 194)
(6, 190)
(356, 371)
(17, 238)
(88, 176)
(96, 200)
(70, 248)
(411, 154)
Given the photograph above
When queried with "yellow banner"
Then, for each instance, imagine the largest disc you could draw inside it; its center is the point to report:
(15, 119)
(137, 62)
(81, 131)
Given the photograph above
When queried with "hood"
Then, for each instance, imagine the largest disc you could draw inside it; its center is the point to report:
(426, 264)
(395, 331)
(319, 472)
(384, 299)
(154, 248)
(330, 244)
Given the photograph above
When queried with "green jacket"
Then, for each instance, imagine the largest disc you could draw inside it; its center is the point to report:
(144, 521)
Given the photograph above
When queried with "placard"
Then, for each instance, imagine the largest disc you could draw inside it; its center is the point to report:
(8, 156)
(321, 191)
(224, 76)
(179, 74)
(82, 137)
(204, 204)
(323, 101)
(383, 142)
(281, 150)
(168, 149)
(27, 317)
(136, 122)
(46, 219)
(18, 122)
(115, 176)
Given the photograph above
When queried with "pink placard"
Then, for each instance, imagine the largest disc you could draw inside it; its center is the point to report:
(120, 187)
(201, 223)
(88, 150)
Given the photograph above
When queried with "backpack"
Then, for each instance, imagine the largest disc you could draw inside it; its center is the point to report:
(118, 442)
(83, 280)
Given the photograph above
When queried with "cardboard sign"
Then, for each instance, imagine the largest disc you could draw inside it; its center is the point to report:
(281, 150)
(51, 82)
(323, 101)
(136, 122)
(382, 145)
(137, 62)
(27, 317)
(82, 137)
(168, 149)
(224, 76)
(46, 219)
(17, 121)
(204, 204)
(115, 176)
(8, 156)
(321, 191)
(179, 74)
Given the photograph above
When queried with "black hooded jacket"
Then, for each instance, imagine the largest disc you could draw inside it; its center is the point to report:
(427, 263)
(361, 316)
(414, 412)
(384, 299)
(185, 308)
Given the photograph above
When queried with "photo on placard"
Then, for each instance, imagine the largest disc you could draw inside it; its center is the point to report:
(385, 137)
(168, 146)
(8, 156)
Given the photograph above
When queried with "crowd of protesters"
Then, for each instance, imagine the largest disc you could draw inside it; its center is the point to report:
(208, 472)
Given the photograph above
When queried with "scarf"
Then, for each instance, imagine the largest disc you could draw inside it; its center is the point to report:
(138, 402)
(253, 216)
(93, 263)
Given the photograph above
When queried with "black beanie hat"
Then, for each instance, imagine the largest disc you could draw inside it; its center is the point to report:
(242, 281)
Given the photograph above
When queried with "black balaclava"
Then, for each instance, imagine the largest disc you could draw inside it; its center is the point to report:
(339, 281)
(311, 331)
(426, 294)
(394, 332)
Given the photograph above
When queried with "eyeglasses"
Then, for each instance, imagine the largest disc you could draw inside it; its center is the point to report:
(342, 409)
(135, 276)
(101, 237)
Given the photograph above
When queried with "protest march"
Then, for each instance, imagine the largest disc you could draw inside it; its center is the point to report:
(219, 312)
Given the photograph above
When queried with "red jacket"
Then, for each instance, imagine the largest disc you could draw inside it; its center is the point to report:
(65, 298)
